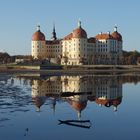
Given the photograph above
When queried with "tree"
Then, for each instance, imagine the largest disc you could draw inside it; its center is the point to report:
(131, 57)
(4, 57)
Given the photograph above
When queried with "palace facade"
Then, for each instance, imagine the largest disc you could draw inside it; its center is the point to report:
(77, 49)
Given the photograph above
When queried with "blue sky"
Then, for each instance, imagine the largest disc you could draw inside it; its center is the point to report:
(18, 20)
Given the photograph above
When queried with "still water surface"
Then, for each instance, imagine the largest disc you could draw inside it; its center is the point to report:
(69, 107)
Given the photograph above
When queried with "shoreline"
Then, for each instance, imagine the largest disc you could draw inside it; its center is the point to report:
(72, 71)
(83, 69)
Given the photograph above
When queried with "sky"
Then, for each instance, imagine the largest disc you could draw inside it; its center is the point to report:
(19, 18)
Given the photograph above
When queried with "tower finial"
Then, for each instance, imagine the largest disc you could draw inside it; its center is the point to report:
(79, 23)
(53, 33)
(53, 26)
(38, 27)
(115, 28)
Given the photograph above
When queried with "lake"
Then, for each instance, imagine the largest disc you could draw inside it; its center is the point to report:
(66, 107)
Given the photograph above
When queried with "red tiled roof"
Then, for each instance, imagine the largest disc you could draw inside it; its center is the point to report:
(68, 37)
(117, 36)
(79, 33)
(103, 36)
(38, 36)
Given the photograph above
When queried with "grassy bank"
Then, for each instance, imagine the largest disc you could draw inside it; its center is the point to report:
(85, 69)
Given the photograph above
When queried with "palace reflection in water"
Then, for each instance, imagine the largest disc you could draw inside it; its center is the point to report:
(77, 91)
(58, 107)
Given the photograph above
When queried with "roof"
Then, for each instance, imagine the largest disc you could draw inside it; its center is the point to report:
(79, 33)
(38, 36)
(68, 37)
(117, 36)
(103, 36)
(91, 40)
(52, 42)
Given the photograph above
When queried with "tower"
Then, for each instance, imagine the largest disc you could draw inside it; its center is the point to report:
(38, 44)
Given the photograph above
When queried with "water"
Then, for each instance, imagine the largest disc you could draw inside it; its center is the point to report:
(69, 107)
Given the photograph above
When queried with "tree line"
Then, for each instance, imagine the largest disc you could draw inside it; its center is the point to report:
(7, 58)
(131, 57)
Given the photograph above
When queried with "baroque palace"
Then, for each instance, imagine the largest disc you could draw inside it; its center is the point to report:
(77, 49)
